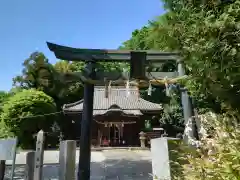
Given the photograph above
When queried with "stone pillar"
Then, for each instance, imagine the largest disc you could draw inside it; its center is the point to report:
(29, 167)
(187, 109)
(166, 161)
(67, 160)
(186, 102)
(142, 137)
(39, 154)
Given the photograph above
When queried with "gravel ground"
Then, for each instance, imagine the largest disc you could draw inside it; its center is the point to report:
(105, 165)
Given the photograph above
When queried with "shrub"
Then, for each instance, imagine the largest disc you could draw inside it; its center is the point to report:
(24, 112)
(5, 131)
(219, 154)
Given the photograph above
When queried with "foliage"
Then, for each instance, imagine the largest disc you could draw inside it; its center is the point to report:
(206, 34)
(138, 40)
(5, 132)
(172, 118)
(64, 66)
(15, 90)
(146, 38)
(28, 103)
(207, 37)
(58, 81)
(3, 98)
(53, 80)
(36, 72)
(219, 156)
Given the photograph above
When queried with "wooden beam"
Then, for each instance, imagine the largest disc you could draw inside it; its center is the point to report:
(161, 75)
(77, 54)
(101, 76)
(139, 83)
(138, 65)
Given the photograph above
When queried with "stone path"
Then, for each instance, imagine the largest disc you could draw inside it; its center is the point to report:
(105, 165)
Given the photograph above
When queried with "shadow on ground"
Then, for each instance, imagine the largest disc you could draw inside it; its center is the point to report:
(50, 172)
(127, 170)
(107, 170)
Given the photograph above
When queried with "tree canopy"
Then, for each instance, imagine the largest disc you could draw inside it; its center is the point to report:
(206, 36)
(3, 98)
(24, 114)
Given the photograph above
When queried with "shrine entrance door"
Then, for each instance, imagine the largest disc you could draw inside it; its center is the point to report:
(116, 134)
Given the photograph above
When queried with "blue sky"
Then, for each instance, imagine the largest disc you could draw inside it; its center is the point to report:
(26, 25)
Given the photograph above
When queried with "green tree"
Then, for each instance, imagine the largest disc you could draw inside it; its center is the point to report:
(63, 66)
(71, 84)
(5, 132)
(36, 73)
(138, 41)
(172, 117)
(24, 112)
(206, 34)
(146, 38)
(15, 90)
(3, 98)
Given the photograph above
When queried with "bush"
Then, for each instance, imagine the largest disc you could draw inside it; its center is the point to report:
(24, 112)
(219, 155)
(5, 131)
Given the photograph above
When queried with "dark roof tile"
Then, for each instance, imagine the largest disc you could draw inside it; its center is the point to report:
(118, 98)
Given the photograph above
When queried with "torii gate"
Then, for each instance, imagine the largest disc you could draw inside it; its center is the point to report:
(138, 61)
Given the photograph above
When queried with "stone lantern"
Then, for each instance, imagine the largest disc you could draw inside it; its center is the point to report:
(142, 137)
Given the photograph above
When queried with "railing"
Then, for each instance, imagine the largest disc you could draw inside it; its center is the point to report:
(67, 158)
(35, 159)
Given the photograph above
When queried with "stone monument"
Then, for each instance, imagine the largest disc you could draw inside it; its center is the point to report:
(162, 156)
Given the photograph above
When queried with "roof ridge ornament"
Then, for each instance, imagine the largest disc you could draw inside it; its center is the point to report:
(109, 86)
(127, 88)
(106, 88)
(166, 86)
(150, 89)
(115, 106)
(138, 92)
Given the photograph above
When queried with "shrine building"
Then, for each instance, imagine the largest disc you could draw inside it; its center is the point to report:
(119, 115)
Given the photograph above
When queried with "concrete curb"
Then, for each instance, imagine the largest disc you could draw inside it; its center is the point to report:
(117, 148)
(52, 156)
(97, 149)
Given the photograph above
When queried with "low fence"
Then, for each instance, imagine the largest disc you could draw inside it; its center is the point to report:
(7, 152)
(35, 159)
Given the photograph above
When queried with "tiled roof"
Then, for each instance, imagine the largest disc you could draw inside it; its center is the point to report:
(122, 112)
(117, 100)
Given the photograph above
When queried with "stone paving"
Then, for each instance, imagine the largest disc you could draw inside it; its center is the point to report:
(105, 165)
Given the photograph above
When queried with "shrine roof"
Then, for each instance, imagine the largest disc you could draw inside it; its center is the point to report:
(119, 100)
